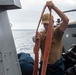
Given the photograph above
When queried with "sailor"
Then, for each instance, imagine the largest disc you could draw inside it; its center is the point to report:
(55, 61)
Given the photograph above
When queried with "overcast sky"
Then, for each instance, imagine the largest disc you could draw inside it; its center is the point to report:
(28, 16)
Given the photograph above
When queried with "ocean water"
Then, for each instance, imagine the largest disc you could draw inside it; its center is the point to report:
(23, 41)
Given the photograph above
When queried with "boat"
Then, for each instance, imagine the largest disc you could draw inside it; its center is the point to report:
(9, 63)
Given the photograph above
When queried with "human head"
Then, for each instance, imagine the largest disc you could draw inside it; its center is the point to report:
(46, 18)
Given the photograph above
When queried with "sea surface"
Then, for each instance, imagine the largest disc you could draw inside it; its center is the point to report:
(23, 41)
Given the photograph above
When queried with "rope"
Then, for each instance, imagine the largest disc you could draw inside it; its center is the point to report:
(36, 48)
(41, 17)
(47, 47)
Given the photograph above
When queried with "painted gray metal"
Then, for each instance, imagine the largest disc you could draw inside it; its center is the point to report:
(10, 4)
(69, 37)
(9, 64)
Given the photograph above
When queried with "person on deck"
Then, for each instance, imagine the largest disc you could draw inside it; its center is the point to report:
(55, 62)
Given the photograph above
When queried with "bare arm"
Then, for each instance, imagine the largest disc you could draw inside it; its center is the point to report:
(65, 20)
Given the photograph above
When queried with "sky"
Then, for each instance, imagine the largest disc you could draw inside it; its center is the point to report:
(28, 16)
